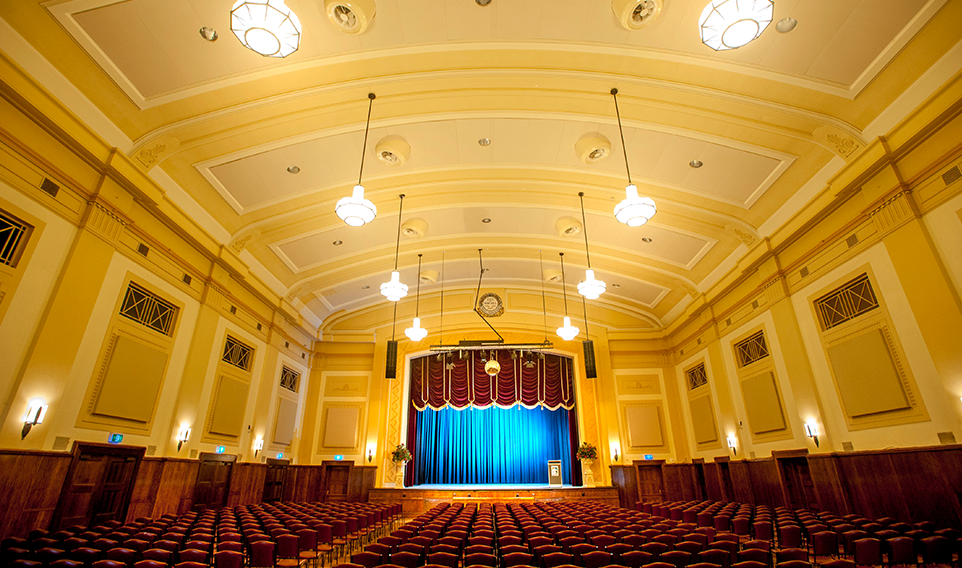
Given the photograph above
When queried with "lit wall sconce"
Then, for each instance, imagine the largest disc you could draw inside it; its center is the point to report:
(370, 455)
(182, 436)
(35, 414)
(811, 430)
(617, 452)
(732, 442)
(258, 446)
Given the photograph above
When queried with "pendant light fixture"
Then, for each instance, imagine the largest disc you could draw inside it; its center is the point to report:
(393, 289)
(355, 210)
(416, 332)
(633, 211)
(589, 288)
(730, 24)
(267, 27)
(568, 331)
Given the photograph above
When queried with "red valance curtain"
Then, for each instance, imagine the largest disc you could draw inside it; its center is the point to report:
(546, 383)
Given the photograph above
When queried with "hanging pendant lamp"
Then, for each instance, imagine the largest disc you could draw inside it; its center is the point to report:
(394, 289)
(633, 211)
(589, 288)
(567, 331)
(355, 210)
(267, 27)
(416, 332)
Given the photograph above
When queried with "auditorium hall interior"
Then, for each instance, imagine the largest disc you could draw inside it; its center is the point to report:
(285, 282)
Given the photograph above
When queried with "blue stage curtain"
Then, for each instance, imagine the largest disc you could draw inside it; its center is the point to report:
(490, 445)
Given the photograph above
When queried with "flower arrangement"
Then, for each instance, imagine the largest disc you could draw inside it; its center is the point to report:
(587, 452)
(401, 454)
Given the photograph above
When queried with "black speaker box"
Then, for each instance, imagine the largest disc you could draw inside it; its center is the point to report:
(390, 367)
(590, 371)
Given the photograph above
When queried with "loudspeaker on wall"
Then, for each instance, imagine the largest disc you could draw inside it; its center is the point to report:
(590, 371)
(390, 367)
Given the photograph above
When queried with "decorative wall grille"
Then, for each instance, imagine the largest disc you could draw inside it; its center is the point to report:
(751, 349)
(148, 309)
(697, 376)
(238, 354)
(289, 378)
(847, 302)
(12, 237)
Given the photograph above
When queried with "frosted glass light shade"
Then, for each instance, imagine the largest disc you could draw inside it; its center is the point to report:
(416, 332)
(591, 288)
(393, 289)
(355, 210)
(635, 211)
(568, 331)
(267, 27)
(730, 24)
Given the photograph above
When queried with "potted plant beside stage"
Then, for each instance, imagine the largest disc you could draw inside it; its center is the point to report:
(400, 456)
(587, 454)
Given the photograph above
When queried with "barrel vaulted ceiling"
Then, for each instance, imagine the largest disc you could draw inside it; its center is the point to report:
(769, 121)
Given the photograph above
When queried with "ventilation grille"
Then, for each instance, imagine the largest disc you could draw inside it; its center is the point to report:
(848, 447)
(289, 379)
(233, 310)
(143, 249)
(946, 438)
(851, 241)
(952, 175)
(148, 309)
(238, 354)
(846, 302)
(13, 233)
(751, 349)
(697, 376)
(60, 443)
(755, 305)
(803, 272)
(188, 279)
(151, 450)
(259, 327)
(52, 189)
(193, 454)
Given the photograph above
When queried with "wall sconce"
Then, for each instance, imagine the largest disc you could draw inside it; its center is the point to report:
(258, 446)
(617, 451)
(731, 444)
(182, 436)
(811, 430)
(35, 414)
(370, 455)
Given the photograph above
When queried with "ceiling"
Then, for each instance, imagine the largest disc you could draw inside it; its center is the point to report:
(768, 121)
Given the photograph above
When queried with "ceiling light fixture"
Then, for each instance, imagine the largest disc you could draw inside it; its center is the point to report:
(786, 25)
(730, 24)
(696, 164)
(393, 289)
(486, 220)
(589, 288)
(210, 34)
(338, 243)
(633, 211)
(567, 331)
(355, 210)
(484, 142)
(416, 332)
(267, 27)
(293, 170)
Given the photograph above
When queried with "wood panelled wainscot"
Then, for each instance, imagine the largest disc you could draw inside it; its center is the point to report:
(31, 483)
(909, 484)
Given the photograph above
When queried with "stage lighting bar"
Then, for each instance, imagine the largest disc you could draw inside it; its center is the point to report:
(492, 346)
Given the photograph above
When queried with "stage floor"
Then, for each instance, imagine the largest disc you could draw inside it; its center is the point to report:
(489, 487)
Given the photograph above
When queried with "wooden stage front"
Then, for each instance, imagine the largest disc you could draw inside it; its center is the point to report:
(416, 500)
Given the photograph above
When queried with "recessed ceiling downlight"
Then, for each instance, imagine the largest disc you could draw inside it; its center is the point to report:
(210, 34)
(696, 164)
(786, 25)
(350, 16)
(293, 170)
(338, 243)
(636, 14)
(484, 142)
(486, 220)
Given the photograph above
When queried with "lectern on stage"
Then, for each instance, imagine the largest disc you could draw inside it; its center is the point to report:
(554, 473)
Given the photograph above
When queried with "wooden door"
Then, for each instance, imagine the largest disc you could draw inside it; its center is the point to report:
(213, 481)
(797, 481)
(98, 485)
(726, 478)
(650, 481)
(275, 479)
(337, 481)
(698, 478)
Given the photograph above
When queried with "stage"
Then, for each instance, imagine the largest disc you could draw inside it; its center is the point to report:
(415, 500)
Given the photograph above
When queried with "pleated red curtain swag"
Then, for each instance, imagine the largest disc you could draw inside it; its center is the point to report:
(547, 383)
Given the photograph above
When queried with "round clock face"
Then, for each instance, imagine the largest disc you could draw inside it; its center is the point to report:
(490, 305)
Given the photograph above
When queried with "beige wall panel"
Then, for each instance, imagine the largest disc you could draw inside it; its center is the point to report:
(131, 382)
(703, 420)
(284, 424)
(228, 407)
(765, 412)
(638, 384)
(644, 425)
(345, 386)
(340, 428)
(867, 378)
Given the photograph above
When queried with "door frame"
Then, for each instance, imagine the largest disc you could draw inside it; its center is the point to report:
(79, 448)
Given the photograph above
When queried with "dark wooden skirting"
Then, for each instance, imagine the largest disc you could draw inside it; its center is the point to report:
(415, 501)
(909, 484)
